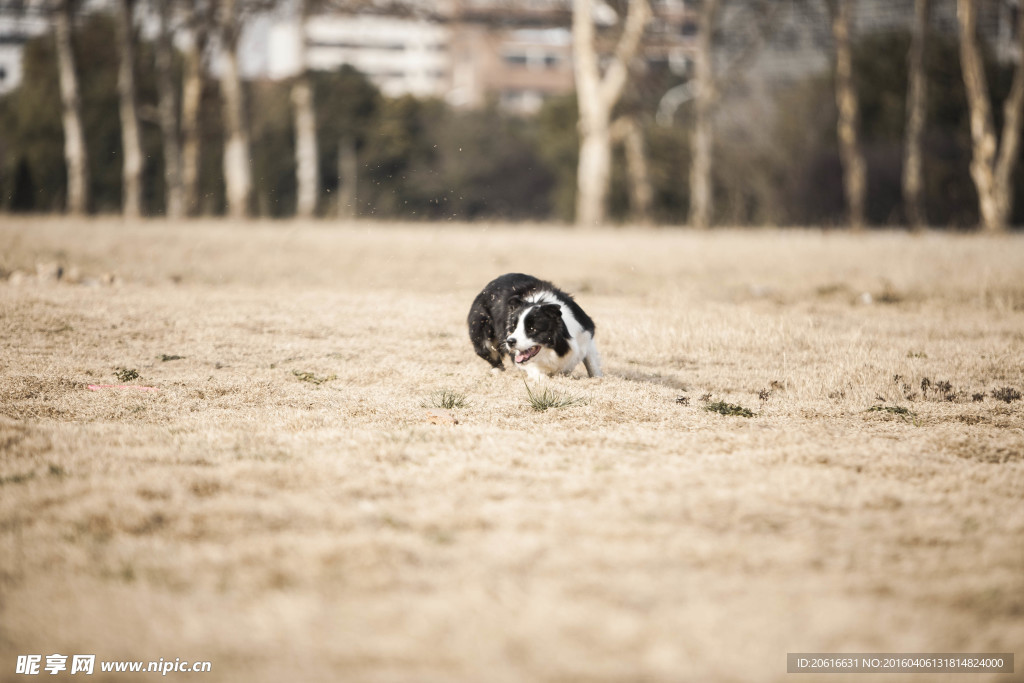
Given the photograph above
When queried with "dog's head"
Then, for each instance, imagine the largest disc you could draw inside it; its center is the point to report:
(534, 327)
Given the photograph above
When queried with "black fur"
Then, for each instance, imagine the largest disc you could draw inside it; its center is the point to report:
(495, 312)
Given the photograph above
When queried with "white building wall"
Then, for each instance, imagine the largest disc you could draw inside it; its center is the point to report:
(15, 30)
(399, 55)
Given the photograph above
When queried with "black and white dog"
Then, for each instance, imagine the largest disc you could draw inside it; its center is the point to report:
(536, 324)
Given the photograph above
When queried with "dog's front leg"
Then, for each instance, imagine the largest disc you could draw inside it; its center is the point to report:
(592, 361)
(534, 373)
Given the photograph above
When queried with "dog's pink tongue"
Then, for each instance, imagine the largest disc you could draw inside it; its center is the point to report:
(526, 355)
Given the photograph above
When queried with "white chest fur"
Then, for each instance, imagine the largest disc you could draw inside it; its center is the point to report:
(547, 362)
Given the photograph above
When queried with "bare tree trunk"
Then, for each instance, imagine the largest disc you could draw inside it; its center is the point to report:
(307, 161)
(850, 155)
(594, 173)
(168, 110)
(191, 96)
(641, 194)
(917, 100)
(348, 170)
(597, 94)
(705, 95)
(237, 170)
(75, 154)
(131, 144)
(700, 169)
(992, 162)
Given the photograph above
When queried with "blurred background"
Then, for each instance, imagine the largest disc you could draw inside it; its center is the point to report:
(716, 112)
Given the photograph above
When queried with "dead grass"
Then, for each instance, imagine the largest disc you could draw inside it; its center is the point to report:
(447, 399)
(545, 398)
(298, 530)
(728, 409)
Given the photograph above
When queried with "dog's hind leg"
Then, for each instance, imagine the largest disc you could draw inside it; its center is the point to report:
(481, 333)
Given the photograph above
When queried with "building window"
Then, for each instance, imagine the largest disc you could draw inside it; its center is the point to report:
(532, 59)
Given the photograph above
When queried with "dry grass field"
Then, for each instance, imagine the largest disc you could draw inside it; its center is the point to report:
(286, 506)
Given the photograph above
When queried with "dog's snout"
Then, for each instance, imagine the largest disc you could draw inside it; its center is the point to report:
(511, 341)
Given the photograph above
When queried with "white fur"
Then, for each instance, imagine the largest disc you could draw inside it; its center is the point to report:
(547, 362)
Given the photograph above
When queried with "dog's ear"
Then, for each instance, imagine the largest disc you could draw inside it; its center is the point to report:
(553, 311)
(515, 301)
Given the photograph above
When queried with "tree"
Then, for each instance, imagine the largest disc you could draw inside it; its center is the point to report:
(75, 155)
(850, 154)
(168, 113)
(237, 155)
(348, 177)
(705, 95)
(626, 129)
(347, 104)
(197, 20)
(752, 21)
(131, 145)
(307, 163)
(917, 98)
(992, 161)
(597, 95)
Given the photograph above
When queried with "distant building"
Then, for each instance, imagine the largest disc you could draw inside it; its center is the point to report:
(519, 52)
(16, 29)
(799, 42)
(468, 52)
(401, 55)
(514, 54)
(795, 41)
(518, 68)
(20, 22)
(472, 53)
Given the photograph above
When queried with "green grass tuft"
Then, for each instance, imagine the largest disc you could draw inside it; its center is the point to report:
(311, 378)
(448, 399)
(126, 374)
(723, 408)
(893, 410)
(548, 398)
(1006, 394)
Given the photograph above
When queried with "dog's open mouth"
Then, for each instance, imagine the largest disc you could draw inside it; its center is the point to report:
(529, 353)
